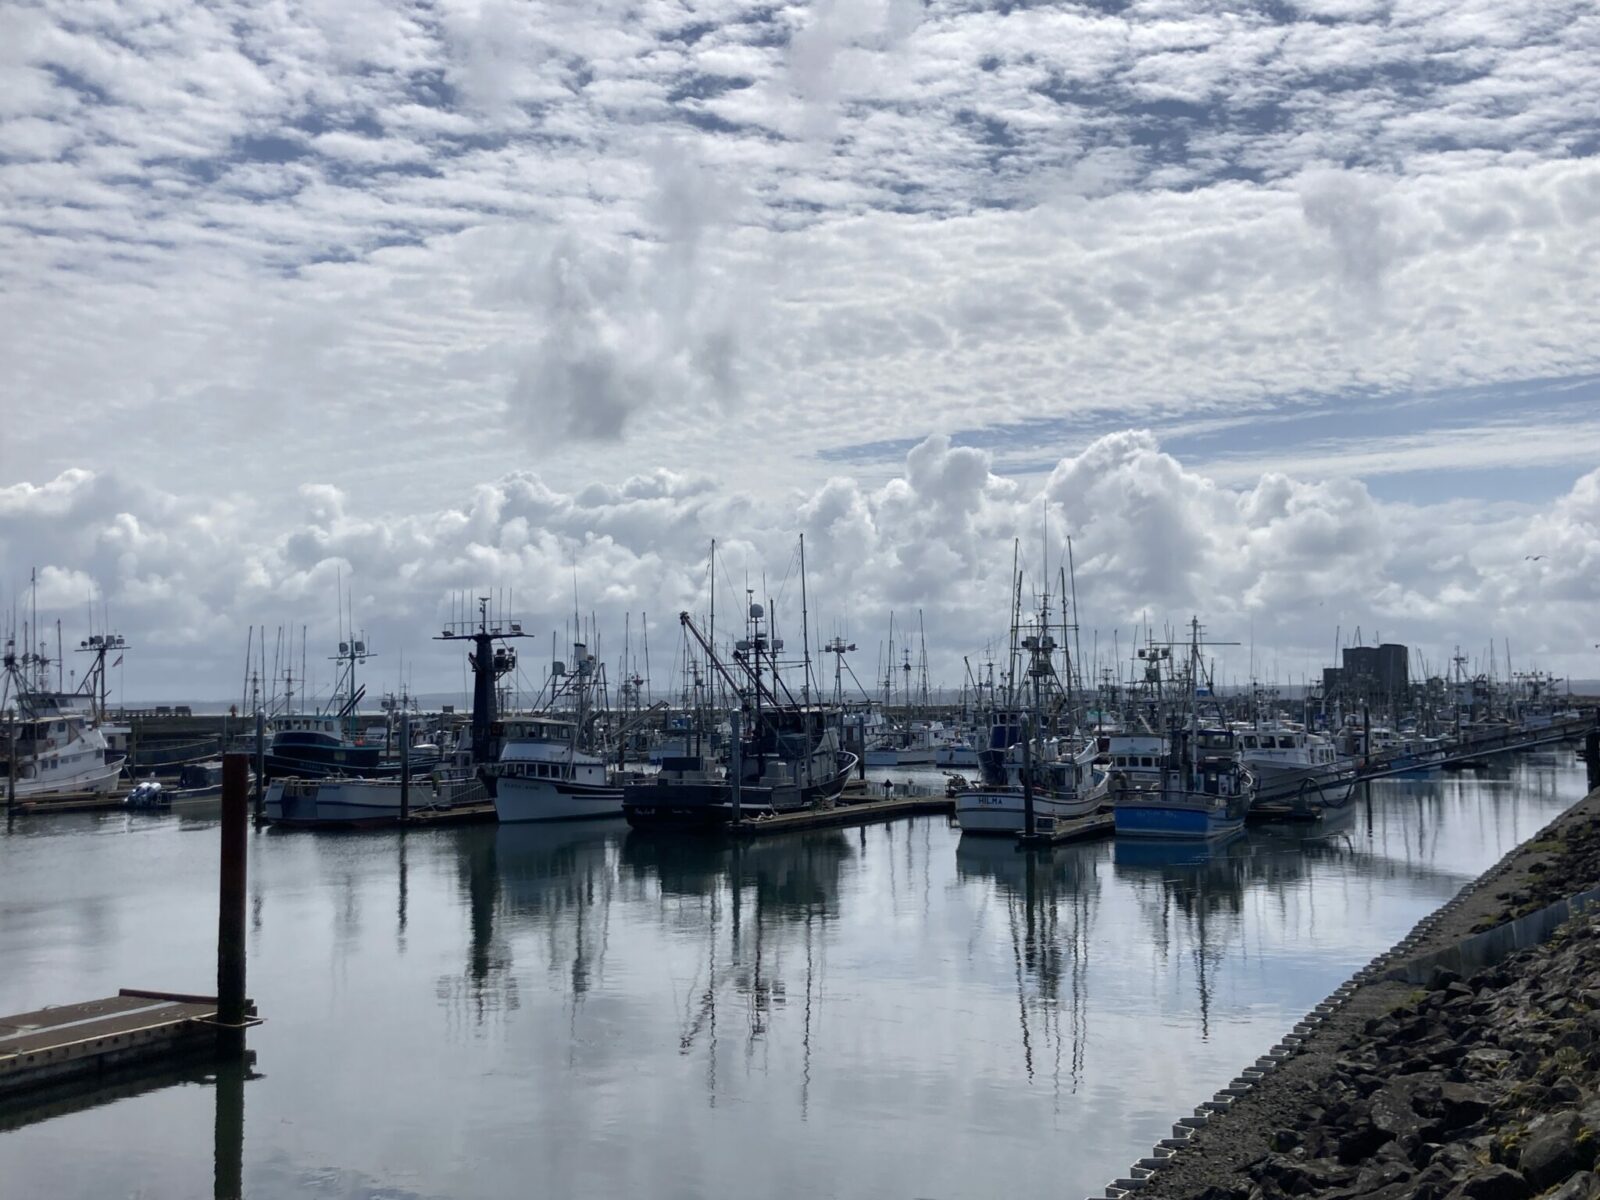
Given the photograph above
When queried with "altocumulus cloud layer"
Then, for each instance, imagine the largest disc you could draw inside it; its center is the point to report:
(1284, 561)
(272, 272)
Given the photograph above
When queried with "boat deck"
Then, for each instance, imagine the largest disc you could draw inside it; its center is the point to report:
(84, 1040)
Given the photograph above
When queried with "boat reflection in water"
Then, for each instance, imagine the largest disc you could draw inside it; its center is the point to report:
(1051, 899)
(1202, 885)
(751, 899)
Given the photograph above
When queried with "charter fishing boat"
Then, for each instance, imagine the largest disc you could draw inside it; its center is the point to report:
(1205, 790)
(784, 755)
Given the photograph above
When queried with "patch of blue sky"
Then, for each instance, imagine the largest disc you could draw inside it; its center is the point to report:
(1404, 445)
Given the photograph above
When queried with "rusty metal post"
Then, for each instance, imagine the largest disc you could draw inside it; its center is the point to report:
(231, 906)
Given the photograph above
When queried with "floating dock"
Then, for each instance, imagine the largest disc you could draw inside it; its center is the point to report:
(1078, 829)
(462, 814)
(68, 802)
(76, 1042)
(864, 813)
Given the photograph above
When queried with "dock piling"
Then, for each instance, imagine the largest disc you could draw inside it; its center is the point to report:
(231, 908)
(228, 1130)
(735, 762)
(405, 767)
(1029, 829)
(261, 765)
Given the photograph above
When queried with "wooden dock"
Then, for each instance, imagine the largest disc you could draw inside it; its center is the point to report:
(463, 814)
(75, 1042)
(840, 815)
(69, 802)
(1079, 829)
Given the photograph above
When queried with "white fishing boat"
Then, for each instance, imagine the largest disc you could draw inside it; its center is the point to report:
(55, 745)
(543, 775)
(1025, 766)
(960, 750)
(1059, 793)
(1127, 760)
(912, 745)
(553, 765)
(1290, 763)
(56, 753)
(336, 803)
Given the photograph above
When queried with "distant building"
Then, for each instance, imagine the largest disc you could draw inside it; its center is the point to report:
(1375, 674)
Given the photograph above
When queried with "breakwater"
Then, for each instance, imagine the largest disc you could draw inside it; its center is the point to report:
(1423, 1080)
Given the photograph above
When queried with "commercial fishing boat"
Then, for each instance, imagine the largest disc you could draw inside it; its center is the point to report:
(340, 803)
(54, 744)
(1028, 762)
(1289, 763)
(551, 765)
(1205, 790)
(784, 752)
(334, 742)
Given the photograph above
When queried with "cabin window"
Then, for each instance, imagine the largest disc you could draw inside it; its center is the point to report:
(1147, 761)
(1249, 743)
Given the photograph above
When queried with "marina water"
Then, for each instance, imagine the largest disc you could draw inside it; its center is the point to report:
(579, 1010)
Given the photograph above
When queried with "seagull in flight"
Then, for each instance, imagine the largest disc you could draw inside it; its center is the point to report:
(1532, 557)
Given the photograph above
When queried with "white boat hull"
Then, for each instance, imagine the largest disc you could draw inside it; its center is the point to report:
(100, 780)
(1001, 810)
(355, 802)
(1329, 782)
(916, 757)
(518, 799)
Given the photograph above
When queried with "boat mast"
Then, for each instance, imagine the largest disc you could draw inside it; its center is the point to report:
(805, 628)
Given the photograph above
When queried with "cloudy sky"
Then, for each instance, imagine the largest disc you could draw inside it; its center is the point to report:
(1283, 309)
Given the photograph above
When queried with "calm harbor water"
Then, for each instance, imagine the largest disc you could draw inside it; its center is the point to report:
(577, 1010)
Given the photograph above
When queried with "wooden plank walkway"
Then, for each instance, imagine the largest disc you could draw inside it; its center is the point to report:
(1079, 829)
(68, 802)
(75, 1041)
(841, 815)
(462, 814)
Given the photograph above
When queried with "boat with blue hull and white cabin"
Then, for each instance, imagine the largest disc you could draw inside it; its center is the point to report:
(1205, 790)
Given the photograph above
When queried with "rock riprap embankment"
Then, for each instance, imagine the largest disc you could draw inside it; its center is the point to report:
(1483, 1088)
